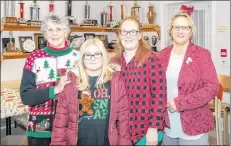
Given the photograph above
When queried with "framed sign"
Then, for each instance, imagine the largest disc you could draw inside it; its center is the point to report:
(39, 40)
(5, 41)
(89, 36)
(104, 39)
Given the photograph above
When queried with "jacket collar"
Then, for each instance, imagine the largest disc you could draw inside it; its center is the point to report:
(165, 55)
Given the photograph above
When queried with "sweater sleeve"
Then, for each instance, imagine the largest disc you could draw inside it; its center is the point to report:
(123, 115)
(158, 87)
(29, 93)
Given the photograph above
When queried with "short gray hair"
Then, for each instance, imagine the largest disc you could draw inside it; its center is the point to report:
(56, 19)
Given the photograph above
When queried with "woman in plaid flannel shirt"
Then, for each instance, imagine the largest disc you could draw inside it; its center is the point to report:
(145, 83)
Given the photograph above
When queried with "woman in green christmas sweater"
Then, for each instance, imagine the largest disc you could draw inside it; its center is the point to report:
(43, 68)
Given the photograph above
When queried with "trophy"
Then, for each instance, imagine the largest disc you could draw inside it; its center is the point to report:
(86, 11)
(87, 21)
(21, 19)
(135, 11)
(154, 41)
(68, 11)
(104, 16)
(51, 6)
(9, 13)
(110, 12)
(11, 44)
(151, 14)
(111, 16)
(21, 9)
(34, 11)
(123, 11)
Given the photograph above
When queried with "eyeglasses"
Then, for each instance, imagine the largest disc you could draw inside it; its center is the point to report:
(132, 32)
(89, 56)
(57, 30)
(184, 28)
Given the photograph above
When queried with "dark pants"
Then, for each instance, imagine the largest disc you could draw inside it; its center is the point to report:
(33, 141)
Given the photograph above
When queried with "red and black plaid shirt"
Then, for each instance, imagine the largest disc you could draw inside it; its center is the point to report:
(147, 94)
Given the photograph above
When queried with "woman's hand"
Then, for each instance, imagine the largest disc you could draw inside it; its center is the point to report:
(152, 136)
(171, 106)
(63, 81)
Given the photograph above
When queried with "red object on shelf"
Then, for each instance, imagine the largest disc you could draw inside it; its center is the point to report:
(122, 12)
(51, 7)
(110, 13)
(21, 10)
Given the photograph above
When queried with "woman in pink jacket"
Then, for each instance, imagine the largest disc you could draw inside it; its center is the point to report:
(93, 108)
(191, 83)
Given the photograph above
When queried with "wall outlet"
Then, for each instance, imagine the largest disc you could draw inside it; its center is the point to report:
(224, 63)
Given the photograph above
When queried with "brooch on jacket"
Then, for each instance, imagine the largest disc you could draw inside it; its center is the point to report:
(189, 59)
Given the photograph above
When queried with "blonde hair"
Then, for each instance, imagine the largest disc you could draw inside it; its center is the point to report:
(143, 51)
(83, 79)
(191, 24)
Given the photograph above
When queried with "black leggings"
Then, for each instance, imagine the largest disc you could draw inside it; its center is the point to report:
(33, 141)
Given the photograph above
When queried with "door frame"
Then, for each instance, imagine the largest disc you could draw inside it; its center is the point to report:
(164, 24)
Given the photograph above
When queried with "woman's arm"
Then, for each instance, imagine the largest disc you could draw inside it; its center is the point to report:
(29, 93)
(123, 115)
(60, 122)
(158, 85)
(209, 90)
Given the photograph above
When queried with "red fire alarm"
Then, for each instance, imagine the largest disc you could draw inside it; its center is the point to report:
(223, 52)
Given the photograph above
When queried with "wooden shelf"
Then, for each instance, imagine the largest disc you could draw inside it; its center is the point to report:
(17, 27)
(20, 55)
(15, 55)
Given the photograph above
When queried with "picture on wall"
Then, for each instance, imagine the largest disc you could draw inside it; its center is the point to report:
(5, 41)
(104, 39)
(39, 40)
(89, 36)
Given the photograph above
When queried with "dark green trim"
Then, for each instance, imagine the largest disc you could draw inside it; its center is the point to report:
(58, 52)
(52, 92)
(39, 134)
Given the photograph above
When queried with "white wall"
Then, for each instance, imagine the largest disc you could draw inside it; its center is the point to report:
(222, 40)
(12, 69)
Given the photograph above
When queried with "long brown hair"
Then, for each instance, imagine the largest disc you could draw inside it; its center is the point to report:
(143, 51)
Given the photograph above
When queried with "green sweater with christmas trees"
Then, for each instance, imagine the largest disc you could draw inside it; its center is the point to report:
(41, 71)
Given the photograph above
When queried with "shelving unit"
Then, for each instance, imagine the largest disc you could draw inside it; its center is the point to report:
(17, 27)
(20, 55)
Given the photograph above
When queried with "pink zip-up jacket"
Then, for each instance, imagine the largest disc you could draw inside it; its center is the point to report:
(197, 85)
(65, 125)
